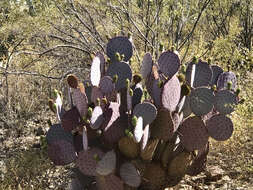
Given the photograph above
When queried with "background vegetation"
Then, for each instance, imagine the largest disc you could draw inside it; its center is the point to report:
(42, 41)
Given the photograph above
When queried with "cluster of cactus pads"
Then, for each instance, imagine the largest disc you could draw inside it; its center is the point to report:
(123, 135)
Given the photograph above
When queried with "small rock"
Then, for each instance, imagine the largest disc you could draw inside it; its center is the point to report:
(214, 173)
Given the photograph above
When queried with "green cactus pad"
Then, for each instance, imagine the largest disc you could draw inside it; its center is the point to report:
(61, 152)
(172, 149)
(128, 147)
(86, 161)
(179, 165)
(147, 111)
(148, 152)
(130, 175)
(71, 119)
(167, 154)
(216, 73)
(201, 101)
(80, 100)
(119, 44)
(145, 137)
(199, 162)
(170, 95)
(193, 133)
(109, 182)
(155, 177)
(56, 133)
(146, 66)
(123, 71)
(153, 89)
(224, 78)
(106, 85)
(220, 127)
(203, 74)
(169, 63)
(107, 164)
(97, 118)
(225, 101)
(163, 126)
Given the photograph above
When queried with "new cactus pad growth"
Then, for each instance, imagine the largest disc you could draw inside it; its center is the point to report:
(125, 131)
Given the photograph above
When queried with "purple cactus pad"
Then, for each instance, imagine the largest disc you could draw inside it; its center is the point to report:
(220, 127)
(193, 133)
(121, 45)
(170, 95)
(169, 63)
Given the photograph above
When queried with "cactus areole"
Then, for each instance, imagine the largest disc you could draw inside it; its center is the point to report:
(122, 132)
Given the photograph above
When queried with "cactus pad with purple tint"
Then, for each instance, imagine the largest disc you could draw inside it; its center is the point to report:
(216, 73)
(80, 100)
(201, 101)
(130, 175)
(147, 111)
(170, 95)
(87, 161)
(224, 78)
(169, 63)
(61, 152)
(193, 133)
(71, 119)
(56, 133)
(121, 45)
(220, 127)
(187, 108)
(96, 94)
(97, 118)
(114, 125)
(203, 74)
(106, 85)
(122, 70)
(107, 164)
(146, 66)
(225, 101)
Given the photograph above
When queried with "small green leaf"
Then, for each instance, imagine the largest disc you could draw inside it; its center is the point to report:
(134, 120)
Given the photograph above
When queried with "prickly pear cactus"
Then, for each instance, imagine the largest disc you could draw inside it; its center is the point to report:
(126, 130)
